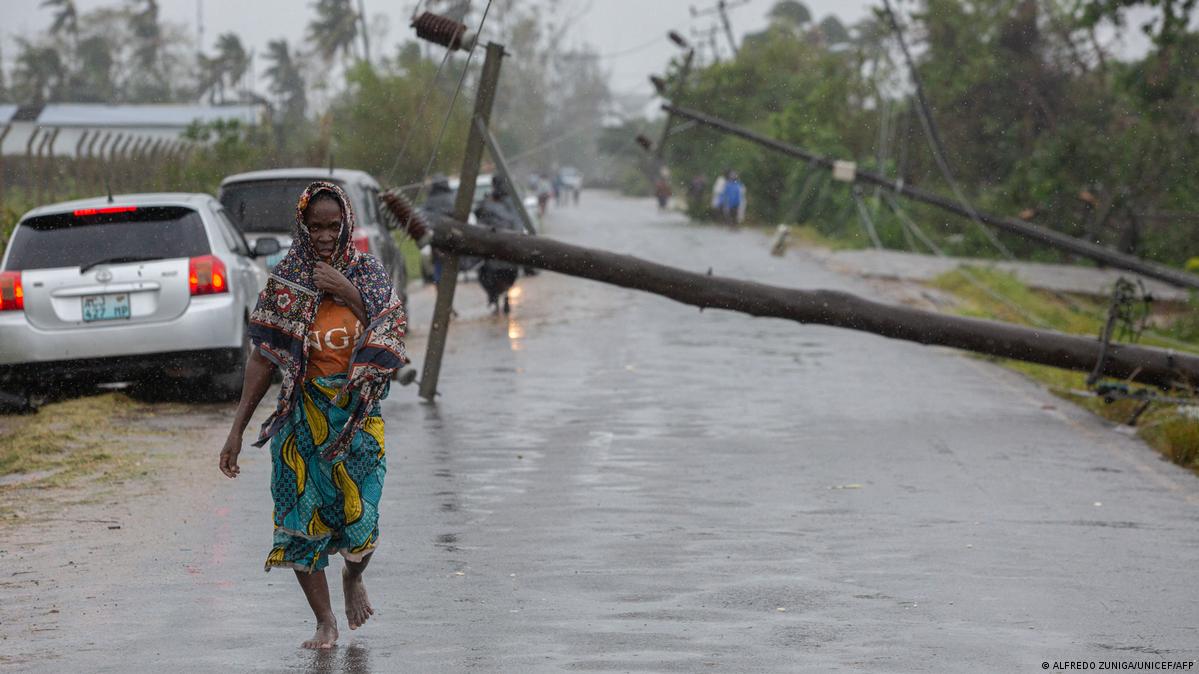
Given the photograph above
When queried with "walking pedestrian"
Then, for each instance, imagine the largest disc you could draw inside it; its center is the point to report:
(732, 200)
(718, 191)
(330, 322)
(662, 191)
(497, 276)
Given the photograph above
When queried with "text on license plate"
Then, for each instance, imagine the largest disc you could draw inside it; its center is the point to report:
(106, 307)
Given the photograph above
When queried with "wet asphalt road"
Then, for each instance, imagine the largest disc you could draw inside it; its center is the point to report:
(615, 482)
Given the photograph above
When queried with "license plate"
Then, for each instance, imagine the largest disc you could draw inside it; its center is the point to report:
(106, 307)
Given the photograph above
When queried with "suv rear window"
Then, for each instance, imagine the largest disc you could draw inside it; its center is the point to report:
(270, 205)
(69, 240)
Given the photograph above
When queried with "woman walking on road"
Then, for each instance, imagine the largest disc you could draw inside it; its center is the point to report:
(330, 322)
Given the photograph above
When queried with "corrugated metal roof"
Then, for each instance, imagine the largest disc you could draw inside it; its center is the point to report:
(169, 116)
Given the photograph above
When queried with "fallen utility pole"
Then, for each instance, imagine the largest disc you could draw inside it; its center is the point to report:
(1026, 230)
(1151, 366)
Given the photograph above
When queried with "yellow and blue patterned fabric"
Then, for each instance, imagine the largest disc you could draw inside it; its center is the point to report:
(324, 506)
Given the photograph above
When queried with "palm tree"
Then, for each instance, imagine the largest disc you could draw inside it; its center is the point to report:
(211, 78)
(286, 81)
(147, 33)
(65, 16)
(335, 28)
(233, 59)
(92, 79)
(39, 75)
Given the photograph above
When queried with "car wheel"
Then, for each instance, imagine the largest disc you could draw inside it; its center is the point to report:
(226, 385)
(17, 403)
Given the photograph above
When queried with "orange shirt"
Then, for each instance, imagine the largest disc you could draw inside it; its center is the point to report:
(331, 339)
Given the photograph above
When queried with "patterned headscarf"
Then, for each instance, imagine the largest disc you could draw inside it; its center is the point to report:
(287, 308)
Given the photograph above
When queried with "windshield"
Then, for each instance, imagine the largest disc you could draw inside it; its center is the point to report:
(68, 240)
(270, 205)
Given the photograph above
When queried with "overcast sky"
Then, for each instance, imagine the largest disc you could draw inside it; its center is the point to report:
(633, 31)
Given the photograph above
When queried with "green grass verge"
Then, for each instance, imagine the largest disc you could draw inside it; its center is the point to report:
(1172, 430)
(69, 444)
(411, 257)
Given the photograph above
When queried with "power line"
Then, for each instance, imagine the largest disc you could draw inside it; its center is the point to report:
(420, 115)
(934, 138)
(631, 50)
(448, 113)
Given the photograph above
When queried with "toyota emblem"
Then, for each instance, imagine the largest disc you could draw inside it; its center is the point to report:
(103, 276)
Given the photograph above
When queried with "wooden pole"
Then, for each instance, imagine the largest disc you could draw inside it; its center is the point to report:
(684, 73)
(1156, 367)
(1026, 230)
(501, 164)
(448, 281)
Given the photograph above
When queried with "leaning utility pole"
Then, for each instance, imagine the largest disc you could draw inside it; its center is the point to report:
(451, 35)
(501, 165)
(1156, 367)
(1027, 230)
(684, 73)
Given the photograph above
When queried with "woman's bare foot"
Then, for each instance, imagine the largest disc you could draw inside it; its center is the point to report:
(325, 637)
(358, 607)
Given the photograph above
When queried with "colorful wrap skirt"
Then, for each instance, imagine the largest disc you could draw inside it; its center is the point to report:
(324, 507)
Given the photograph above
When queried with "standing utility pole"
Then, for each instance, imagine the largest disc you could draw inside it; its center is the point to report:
(722, 8)
(448, 281)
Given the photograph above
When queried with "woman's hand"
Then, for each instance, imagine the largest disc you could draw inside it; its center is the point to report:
(333, 282)
(229, 455)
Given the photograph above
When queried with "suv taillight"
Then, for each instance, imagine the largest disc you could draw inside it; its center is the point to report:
(362, 242)
(12, 295)
(206, 275)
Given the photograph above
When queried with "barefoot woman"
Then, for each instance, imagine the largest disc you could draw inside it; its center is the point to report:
(330, 322)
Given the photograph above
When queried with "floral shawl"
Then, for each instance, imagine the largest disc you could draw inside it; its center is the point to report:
(287, 308)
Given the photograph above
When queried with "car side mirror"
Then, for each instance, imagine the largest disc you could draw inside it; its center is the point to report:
(267, 245)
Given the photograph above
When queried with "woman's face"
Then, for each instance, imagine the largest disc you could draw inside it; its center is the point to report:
(323, 218)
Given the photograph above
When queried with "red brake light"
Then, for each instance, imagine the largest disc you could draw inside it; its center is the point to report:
(106, 210)
(362, 243)
(12, 295)
(206, 275)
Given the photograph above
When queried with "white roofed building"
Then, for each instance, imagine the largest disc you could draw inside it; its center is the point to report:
(82, 129)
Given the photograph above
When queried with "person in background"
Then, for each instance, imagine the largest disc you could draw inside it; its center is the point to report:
(544, 191)
(662, 190)
(440, 202)
(497, 276)
(718, 190)
(697, 193)
(732, 200)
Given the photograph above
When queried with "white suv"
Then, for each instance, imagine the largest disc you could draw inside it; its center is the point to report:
(133, 287)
